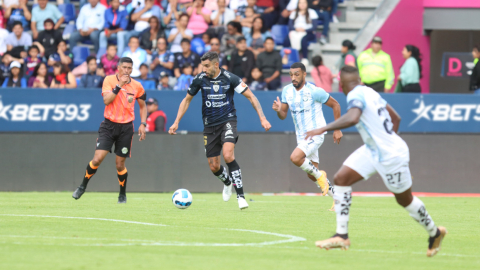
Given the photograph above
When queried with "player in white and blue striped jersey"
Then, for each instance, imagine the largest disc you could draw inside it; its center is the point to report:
(384, 152)
(305, 101)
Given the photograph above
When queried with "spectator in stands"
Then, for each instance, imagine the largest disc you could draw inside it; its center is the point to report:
(236, 4)
(247, 21)
(322, 76)
(141, 16)
(302, 25)
(241, 10)
(18, 13)
(138, 55)
(32, 61)
(229, 39)
(5, 67)
(148, 81)
(268, 11)
(18, 40)
(179, 33)
(15, 79)
(223, 15)
(186, 58)
(49, 38)
(257, 83)
(333, 11)
(156, 119)
(348, 57)
(115, 27)
(323, 8)
(63, 78)
(90, 21)
(149, 37)
(40, 77)
(270, 64)
(475, 76)
(162, 59)
(411, 70)
(163, 83)
(215, 47)
(375, 67)
(44, 11)
(110, 60)
(286, 7)
(206, 41)
(185, 80)
(199, 18)
(241, 61)
(92, 79)
(62, 55)
(3, 37)
(257, 37)
(171, 16)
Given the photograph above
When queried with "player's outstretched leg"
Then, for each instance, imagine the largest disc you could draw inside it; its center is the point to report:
(89, 172)
(298, 158)
(221, 173)
(122, 175)
(418, 212)
(235, 173)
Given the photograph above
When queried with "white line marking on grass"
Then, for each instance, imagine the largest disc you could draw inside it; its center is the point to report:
(290, 238)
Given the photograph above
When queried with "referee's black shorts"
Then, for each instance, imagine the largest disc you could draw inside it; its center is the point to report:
(121, 135)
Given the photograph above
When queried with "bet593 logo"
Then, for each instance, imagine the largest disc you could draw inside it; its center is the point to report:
(446, 112)
(44, 112)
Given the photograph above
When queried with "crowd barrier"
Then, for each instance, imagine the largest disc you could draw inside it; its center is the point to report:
(81, 110)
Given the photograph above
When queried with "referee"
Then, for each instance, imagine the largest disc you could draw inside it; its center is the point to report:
(119, 93)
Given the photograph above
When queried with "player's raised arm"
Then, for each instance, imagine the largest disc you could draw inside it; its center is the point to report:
(182, 109)
(333, 103)
(256, 105)
(349, 119)
(280, 108)
(395, 118)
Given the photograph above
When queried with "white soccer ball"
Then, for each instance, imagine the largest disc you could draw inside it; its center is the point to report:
(182, 198)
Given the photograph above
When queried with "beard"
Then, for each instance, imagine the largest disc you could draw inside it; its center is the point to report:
(297, 83)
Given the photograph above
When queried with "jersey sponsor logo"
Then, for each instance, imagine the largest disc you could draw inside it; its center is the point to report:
(208, 104)
(44, 112)
(207, 88)
(446, 112)
(226, 87)
(227, 74)
(215, 82)
(217, 96)
(216, 87)
(124, 150)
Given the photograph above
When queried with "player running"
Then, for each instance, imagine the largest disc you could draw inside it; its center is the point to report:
(119, 94)
(219, 118)
(305, 102)
(383, 152)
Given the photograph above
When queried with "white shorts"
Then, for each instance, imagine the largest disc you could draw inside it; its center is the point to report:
(394, 172)
(310, 147)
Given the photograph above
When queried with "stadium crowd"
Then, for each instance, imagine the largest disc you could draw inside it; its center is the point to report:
(166, 38)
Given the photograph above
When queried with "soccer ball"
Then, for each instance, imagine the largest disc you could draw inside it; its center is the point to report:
(182, 198)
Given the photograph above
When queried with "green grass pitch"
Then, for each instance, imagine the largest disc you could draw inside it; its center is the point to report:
(267, 234)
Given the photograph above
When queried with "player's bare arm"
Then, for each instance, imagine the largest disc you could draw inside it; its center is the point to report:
(182, 109)
(351, 118)
(280, 108)
(143, 116)
(333, 103)
(395, 118)
(256, 105)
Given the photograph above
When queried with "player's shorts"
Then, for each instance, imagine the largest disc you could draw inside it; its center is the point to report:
(214, 137)
(394, 172)
(310, 147)
(121, 135)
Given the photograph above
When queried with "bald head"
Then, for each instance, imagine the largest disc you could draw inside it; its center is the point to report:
(349, 78)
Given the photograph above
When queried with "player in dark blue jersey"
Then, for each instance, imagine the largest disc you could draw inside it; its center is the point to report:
(220, 120)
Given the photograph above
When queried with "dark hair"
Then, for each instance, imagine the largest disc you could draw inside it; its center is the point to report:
(111, 45)
(17, 23)
(415, 54)
(33, 47)
(297, 11)
(35, 71)
(240, 39)
(212, 56)
(476, 47)
(185, 40)
(264, 28)
(159, 25)
(90, 58)
(130, 39)
(143, 65)
(347, 43)
(348, 70)
(125, 60)
(63, 68)
(268, 38)
(317, 61)
(236, 25)
(299, 65)
(182, 15)
(61, 41)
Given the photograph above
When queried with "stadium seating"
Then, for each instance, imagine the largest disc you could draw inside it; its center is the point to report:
(69, 29)
(293, 57)
(80, 54)
(198, 46)
(101, 51)
(279, 33)
(68, 11)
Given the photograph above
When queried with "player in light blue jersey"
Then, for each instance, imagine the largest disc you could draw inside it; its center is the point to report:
(305, 102)
(383, 152)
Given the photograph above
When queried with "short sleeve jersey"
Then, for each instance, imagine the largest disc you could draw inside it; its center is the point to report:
(217, 96)
(375, 125)
(305, 106)
(121, 109)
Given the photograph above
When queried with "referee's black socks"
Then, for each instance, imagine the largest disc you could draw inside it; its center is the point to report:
(236, 177)
(91, 170)
(122, 180)
(222, 174)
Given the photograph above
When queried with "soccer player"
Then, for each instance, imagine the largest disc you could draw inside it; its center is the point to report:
(383, 152)
(219, 118)
(305, 102)
(119, 94)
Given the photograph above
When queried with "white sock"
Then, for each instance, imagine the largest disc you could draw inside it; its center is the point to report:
(343, 200)
(308, 167)
(418, 212)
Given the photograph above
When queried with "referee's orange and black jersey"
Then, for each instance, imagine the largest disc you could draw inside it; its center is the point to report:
(121, 109)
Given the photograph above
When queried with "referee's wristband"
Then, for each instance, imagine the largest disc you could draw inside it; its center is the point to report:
(116, 89)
